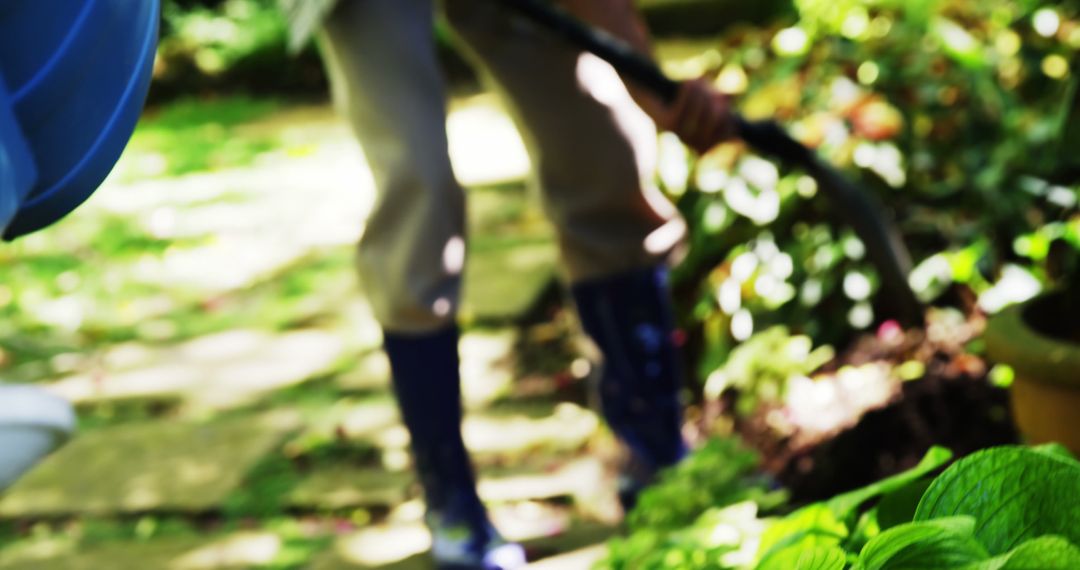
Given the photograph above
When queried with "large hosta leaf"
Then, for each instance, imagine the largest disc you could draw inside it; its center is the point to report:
(1043, 553)
(799, 558)
(812, 526)
(1014, 493)
(844, 505)
(942, 544)
(898, 507)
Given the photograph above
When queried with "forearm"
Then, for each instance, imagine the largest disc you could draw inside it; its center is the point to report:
(700, 115)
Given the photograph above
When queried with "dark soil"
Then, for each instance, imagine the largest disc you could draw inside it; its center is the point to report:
(962, 414)
(953, 405)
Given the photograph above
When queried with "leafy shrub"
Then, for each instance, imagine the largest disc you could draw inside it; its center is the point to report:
(702, 512)
(218, 36)
(759, 369)
(1002, 508)
(959, 115)
(720, 473)
(229, 46)
(1005, 507)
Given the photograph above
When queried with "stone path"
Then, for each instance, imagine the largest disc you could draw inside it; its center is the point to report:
(153, 466)
(279, 444)
(402, 547)
(221, 370)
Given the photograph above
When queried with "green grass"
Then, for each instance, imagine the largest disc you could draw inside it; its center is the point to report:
(194, 135)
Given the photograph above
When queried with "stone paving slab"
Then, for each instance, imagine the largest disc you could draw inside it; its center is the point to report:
(580, 559)
(404, 546)
(488, 363)
(580, 535)
(370, 373)
(581, 478)
(220, 370)
(509, 436)
(126, 556)
(568, 427)
(364, 421)
(314, 193)
(265, 225)
(345, 486)
(342, 486)
(152, 466)
(397, 546)
(244, 549)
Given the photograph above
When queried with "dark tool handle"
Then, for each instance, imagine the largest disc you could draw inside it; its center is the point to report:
(766, 137)
(884, 246)
(628, 61)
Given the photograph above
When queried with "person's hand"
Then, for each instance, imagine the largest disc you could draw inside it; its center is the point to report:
(701, 116)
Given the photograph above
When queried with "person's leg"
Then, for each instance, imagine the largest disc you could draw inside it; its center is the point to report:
(385, 77)
(427, 387)
(594, 154)
(593, 149)
(382, 62)
(629, 317)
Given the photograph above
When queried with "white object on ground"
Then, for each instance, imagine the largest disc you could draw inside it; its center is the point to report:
(33, 422)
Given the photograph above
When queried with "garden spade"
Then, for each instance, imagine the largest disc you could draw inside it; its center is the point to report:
(860, 210)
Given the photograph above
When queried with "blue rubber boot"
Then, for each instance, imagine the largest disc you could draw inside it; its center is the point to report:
(427, 383)
(629, 317)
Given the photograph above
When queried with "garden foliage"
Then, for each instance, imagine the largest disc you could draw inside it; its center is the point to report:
(1006, 507)
(1001, 508)
(959, 116)
(701, 514)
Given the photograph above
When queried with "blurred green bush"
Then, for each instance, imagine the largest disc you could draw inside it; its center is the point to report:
(959, 115)
(240, 45)
(230, 45)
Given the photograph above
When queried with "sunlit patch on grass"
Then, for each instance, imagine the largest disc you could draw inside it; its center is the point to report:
(241, 549)
(385, 544)
(194, 135)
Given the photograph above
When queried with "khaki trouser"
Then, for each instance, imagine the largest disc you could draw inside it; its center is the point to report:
(593, 151)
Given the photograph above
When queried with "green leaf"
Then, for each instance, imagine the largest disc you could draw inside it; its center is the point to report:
(846, 504)
(898, 507)
(1043, 553)
(720, 473)
(959, 44)
(941, 544)
(1015, 494)
(812, 526)
(1055, 450)
(866, 528)
(800, 558)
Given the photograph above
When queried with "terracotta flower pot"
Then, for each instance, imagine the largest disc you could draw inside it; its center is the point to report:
(1040, 340)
